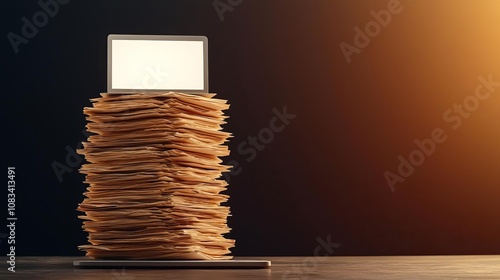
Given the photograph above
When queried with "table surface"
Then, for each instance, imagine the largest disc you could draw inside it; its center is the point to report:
(387, 268)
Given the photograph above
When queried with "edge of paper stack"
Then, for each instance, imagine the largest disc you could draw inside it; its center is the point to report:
(154, 173)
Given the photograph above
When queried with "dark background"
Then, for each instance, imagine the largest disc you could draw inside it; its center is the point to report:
(323, 174)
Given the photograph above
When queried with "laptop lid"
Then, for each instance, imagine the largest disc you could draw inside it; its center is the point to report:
(143, 63)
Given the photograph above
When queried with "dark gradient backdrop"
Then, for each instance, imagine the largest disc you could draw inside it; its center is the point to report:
(324, 173)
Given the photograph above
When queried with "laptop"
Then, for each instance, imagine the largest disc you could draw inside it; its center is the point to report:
(153, 63)
(174, 264)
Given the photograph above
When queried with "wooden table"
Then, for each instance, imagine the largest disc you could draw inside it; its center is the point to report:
(394, 267)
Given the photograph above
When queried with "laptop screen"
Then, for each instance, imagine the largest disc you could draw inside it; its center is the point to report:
(141, 63)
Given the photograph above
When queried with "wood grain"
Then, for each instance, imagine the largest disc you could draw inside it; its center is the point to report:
(387, 268)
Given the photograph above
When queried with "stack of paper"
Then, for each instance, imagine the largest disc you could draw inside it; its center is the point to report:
(153, 172)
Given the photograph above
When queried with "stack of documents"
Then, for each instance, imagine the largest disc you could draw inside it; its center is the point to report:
(154, 173)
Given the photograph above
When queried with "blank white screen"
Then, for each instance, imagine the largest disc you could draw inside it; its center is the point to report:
(157, 65)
